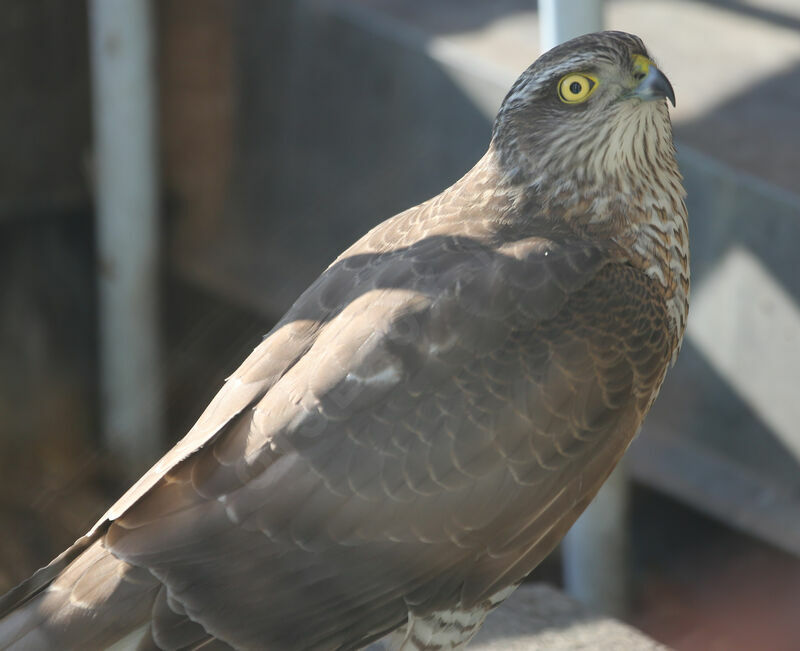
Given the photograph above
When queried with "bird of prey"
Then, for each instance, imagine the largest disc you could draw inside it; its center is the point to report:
(433, 413)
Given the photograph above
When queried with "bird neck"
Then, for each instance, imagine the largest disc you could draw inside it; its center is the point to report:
(634, 200)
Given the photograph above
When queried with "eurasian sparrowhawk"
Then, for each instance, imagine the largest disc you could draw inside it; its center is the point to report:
(431, 415)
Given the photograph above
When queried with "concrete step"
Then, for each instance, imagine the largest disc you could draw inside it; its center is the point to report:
(538, 617)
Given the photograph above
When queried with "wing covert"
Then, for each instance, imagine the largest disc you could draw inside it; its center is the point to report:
(378, 460)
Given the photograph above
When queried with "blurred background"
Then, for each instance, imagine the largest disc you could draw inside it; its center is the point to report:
(172, 178)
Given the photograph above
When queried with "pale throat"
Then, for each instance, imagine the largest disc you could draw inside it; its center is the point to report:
(633, 190)
(621, 182)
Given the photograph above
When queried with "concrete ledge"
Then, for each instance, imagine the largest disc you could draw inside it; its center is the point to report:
(538, 617)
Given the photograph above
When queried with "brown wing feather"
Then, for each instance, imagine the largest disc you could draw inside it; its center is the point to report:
(339, 503)
(420, 428)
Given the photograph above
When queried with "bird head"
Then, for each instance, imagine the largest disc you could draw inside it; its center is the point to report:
(587, 112)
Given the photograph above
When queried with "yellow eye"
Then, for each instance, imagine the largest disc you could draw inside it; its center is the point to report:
(576, 88)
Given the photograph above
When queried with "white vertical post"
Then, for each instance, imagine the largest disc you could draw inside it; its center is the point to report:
(561, 20)
(126, 209)
(595, 550)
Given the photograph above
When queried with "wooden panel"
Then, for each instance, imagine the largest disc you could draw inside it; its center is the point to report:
(44, 113)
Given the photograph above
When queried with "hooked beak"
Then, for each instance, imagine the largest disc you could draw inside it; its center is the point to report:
(655, 85)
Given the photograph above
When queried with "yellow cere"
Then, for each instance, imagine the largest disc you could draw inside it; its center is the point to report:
(576, 87)
(641, 65)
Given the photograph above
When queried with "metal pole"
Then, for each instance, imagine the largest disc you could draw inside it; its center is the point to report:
(595, 550)
(561, 20)
(126, 203)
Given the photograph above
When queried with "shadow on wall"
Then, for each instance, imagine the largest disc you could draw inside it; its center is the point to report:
(451, 16)
(755, 131)
(368, 127)
(759, 11)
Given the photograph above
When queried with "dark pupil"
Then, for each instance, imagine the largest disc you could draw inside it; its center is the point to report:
(575, 87)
